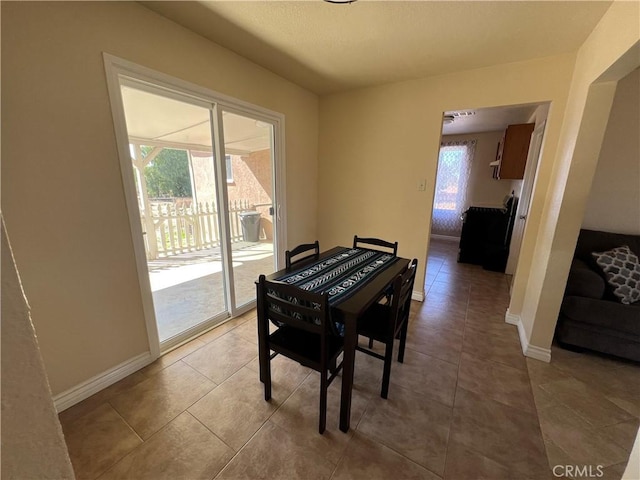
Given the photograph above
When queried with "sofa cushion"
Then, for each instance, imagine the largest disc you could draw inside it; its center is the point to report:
(584, 282)
(606, 315)
(622, 269)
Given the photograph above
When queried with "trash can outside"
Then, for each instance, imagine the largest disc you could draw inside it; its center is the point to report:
(250, 226)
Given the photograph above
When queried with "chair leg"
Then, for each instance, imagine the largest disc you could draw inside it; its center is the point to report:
(267, 381)
(263, 345)
(370, 342)
(386, 375)
(333, 365)
(403, 340)
(323, 402)
(265, 368)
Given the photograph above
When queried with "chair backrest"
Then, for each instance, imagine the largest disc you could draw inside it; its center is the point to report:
(357, 241)
(289, 305)
(402, 290)
(300, 249)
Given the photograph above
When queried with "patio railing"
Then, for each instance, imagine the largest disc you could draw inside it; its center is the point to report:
(181, 229)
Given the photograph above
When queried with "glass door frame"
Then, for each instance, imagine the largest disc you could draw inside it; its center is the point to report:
(220, 153)
(117, 69)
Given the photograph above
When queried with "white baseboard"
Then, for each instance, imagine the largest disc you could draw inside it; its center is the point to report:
(539, 353)
(531, 351)
(417, 295)
(76, 394)
(445, 237)
(511, 319)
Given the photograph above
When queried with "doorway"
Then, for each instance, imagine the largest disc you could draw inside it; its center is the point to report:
(203, 193)
(474, 205)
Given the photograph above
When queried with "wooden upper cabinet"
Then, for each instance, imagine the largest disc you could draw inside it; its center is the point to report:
(513, 150)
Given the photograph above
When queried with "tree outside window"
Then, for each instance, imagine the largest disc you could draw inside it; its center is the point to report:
(168, 174)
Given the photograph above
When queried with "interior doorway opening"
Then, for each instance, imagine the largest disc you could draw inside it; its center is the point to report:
(486, 169)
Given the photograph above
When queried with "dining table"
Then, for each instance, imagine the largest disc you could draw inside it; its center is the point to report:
(354, 279)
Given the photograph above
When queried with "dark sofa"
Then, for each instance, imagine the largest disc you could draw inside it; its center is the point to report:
(591, 316)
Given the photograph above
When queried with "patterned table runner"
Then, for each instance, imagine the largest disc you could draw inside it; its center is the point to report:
(340, 275)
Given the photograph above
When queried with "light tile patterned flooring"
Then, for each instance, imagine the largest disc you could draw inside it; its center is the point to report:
(465, 404)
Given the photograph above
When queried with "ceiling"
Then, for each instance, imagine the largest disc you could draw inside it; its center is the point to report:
(487, 119)
(328, 48)
(162, 121)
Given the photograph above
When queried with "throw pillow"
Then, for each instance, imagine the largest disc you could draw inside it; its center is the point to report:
(622, 269)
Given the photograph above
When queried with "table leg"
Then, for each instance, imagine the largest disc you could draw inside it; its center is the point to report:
(348, 361)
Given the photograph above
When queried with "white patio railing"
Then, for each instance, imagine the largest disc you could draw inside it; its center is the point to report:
(181, 229)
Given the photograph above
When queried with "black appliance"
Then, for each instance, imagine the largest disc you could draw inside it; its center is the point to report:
(486, 235)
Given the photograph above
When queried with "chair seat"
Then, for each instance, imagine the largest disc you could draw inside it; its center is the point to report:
(384, 322)
(374, 323)
(302, 346)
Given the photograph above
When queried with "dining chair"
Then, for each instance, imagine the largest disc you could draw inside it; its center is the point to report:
(300, 249)
(305, 333)
(386, 322)
(358, 241)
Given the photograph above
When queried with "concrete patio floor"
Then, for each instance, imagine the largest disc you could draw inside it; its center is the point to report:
(188, 288)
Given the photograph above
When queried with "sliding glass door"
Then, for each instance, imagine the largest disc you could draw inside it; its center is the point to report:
(204, 185)
(249, 155)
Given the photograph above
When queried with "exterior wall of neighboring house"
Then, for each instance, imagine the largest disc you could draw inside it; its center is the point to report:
(251, 183)
(251, 177)
(614, 200)
(252, 180)
(65, 205)
(203, 178)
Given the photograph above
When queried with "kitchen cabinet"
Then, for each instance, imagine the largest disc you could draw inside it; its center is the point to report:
(511, 157)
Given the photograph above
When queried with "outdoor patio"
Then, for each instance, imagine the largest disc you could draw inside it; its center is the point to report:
(188, 288)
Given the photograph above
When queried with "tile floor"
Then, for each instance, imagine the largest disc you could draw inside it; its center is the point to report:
(465, 404)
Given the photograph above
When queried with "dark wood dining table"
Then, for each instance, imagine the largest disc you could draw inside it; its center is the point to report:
(348, 311)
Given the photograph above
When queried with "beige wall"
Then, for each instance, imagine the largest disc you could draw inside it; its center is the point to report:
(609, 53)
(32, 441)
(483, 190)
(377, 143)
(614, 200)
(62, 193)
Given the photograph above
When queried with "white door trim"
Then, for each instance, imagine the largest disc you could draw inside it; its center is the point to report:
(122, 142)
(530, 174)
